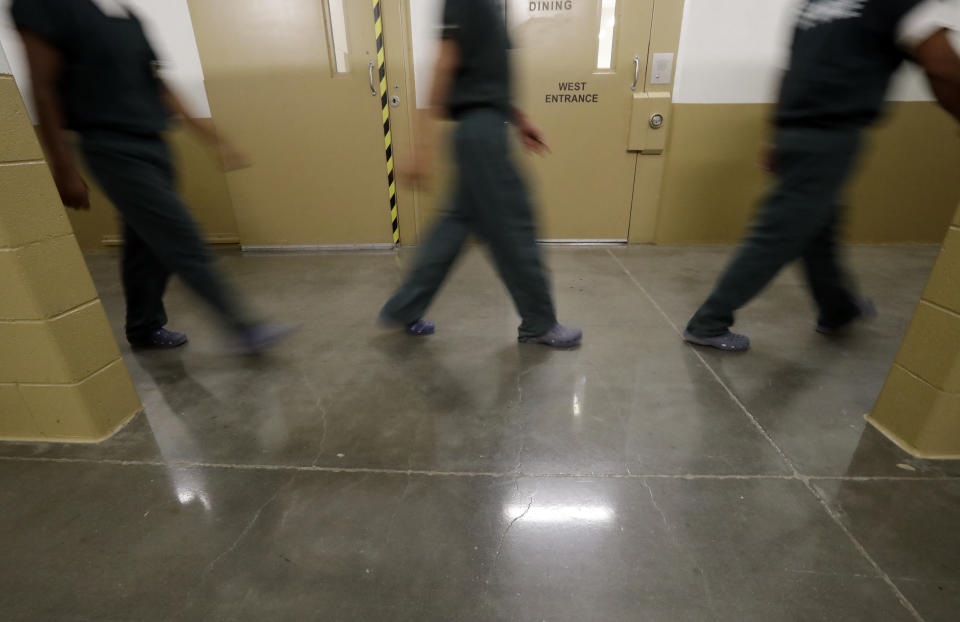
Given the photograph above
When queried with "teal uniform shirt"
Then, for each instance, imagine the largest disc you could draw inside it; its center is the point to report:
(483, 77)
(844, 54)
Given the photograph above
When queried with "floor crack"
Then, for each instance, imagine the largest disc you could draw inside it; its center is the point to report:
(396, 512)
(323, 418)
(656, 505)
(503, 536)
(701, 574)
(323, 432)
(243, 534)
(247, 528)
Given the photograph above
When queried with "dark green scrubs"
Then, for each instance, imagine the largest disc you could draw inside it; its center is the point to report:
(490, 199)
(840, 70)
(111, 97)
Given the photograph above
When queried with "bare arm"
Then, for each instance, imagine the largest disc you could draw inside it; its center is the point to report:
(231, 157)
(46, 63)
(448, 61)
(530, 134)
(940, 61)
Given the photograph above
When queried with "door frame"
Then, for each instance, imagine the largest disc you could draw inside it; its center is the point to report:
(665, 28)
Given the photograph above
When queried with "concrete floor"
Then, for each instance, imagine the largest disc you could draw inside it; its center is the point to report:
(361, 475)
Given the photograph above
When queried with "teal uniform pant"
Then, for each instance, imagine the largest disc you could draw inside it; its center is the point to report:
(798, 220)
(490, 201)
(161, 237)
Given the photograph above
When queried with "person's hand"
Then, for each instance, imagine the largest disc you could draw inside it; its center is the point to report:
(232, 158)
(768, 158)
(532, 137)
(418, 171)
(73, 190)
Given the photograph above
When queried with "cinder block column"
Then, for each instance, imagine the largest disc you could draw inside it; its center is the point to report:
(919, 407)
(61, 375)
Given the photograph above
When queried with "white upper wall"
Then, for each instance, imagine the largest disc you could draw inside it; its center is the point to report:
(734, 52)
(4, 63)
(170, 30)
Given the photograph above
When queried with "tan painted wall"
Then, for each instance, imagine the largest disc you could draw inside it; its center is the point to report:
(919, 407)
(202, 184)
(61, 375)
(905, 191)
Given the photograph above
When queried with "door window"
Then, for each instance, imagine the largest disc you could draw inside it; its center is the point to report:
(337, 36)
(608, 25)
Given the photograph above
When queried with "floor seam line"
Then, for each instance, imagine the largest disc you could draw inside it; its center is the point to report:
(21, 163)
(736, 400)
(881, 573)
(306, 468)
(901, 598)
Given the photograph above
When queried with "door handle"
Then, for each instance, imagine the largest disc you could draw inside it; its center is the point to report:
(373, 85)
(636, 73)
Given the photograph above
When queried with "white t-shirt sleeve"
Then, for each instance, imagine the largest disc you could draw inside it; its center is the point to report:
(927, 19)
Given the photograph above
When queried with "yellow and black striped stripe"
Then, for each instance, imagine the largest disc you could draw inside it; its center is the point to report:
(387, 134)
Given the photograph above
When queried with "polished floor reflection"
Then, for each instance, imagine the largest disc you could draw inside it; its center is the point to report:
(356, 474)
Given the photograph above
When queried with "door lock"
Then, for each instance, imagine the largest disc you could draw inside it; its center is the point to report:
(656, 121)
(395, 101)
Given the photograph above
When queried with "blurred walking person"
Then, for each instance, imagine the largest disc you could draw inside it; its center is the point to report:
(95, 73)
(472, 86)
(844, 55)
